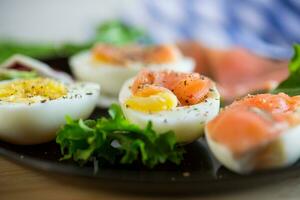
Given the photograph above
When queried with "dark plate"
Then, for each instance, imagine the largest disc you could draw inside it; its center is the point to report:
(199, 172)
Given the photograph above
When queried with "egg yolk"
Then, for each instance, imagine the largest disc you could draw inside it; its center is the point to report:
(152, 101)
(31, 90)
(102, 58)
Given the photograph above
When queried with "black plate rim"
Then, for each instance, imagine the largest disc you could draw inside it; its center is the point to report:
(48, 166)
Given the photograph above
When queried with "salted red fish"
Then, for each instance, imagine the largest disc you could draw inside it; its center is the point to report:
(123, 55)
(189, 88)
(237, 71)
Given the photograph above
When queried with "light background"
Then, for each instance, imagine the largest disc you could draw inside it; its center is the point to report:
(57, 20)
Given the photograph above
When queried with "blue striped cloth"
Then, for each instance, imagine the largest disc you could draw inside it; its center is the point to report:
(265, 27)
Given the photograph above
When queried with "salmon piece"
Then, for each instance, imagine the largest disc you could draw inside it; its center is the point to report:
(124, 55)
(236, 71)
(262, 82)
(108, 54)
(239, 72)
(161, 54)
(268, 102)
(241, 130)
(254, 121)
(144, 77)
(189, 89)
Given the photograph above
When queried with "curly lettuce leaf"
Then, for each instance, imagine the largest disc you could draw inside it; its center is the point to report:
(116, 140)
(291, 85)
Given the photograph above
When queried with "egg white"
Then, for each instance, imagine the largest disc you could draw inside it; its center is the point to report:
(281, 152)
(187, 122)
(23, 123)
(111, 77)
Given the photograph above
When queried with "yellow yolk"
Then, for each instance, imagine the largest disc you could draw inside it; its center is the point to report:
(163, 100)
(100, 58)
(31, 90)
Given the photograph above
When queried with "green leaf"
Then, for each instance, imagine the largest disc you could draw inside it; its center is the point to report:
(16, 74)
(115, 112)
(112, 32)
(116, 140)
(294, 65)
(291, 85)
(118, 33)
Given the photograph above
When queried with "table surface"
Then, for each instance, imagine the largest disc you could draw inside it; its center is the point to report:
(19, 182)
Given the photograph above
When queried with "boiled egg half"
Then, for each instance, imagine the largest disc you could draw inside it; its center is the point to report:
(181, 102)
(255, 133)
(110, 66)
(32, 110)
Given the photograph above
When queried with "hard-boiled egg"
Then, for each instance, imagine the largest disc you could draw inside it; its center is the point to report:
(32, 110)
(111, 66)
(163, 108)
(255, 133)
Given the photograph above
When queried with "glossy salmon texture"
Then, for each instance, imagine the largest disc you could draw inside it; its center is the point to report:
(254, 121)
(123, 55)
(189, 88)
(237, 71)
